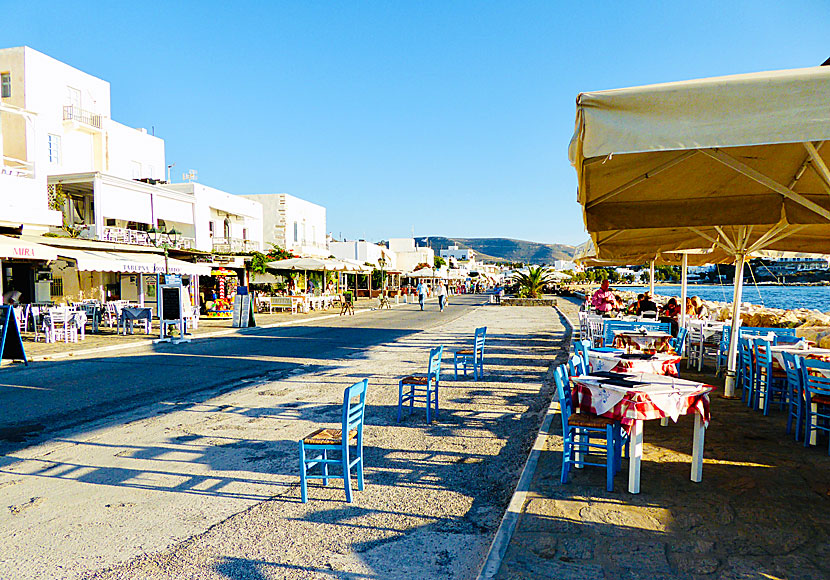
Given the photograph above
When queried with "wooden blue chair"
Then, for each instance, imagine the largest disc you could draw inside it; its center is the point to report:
(795, 393)
(585, 433)
(314, 448)
(422, 387)
(576, 366)
(746, 372)
(769, 381)
(816, 392)
(679, 342)
(473, 356)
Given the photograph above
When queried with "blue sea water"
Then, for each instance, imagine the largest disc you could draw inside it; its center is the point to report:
(787, 297)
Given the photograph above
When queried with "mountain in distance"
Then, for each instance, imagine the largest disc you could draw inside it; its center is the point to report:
(506, 249)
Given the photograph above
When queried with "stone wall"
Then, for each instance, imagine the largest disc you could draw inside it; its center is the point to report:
(528, 302)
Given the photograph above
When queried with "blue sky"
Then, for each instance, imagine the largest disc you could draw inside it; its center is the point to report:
(452, 118)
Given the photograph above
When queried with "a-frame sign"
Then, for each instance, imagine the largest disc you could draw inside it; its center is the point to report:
(11, 344)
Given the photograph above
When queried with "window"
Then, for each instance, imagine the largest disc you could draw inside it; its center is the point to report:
(54, 148)
(73, 97)
(211, 227)
(56, 287)
(227, 229)
(244, 233)
(136, 168)
(5, 85)
(296, 232)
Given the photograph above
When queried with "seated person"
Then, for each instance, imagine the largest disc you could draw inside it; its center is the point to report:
(634, 305)
(646, 305)
(699, 308)
(603, 299)
(669, 313)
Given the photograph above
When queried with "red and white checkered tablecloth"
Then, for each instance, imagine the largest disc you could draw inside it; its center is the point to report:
(659, 364)
(643, 342)
(631, 397)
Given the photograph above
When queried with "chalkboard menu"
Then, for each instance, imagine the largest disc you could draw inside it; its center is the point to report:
(11, 345)
(171, 303)
(243, 312)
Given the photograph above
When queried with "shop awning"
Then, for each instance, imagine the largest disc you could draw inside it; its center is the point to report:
(16, 248)
(89, 260)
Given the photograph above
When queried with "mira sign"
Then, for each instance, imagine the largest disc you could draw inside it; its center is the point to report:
(24, 252)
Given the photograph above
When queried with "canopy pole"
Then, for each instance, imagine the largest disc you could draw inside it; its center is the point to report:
(651, 278)
(732, 358)
(684, 281)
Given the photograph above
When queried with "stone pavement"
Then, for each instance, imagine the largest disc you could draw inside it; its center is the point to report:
(762, 510)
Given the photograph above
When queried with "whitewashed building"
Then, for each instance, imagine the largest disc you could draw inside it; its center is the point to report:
(293, 224)
(408, 256)
(466, 256)
(364, 252)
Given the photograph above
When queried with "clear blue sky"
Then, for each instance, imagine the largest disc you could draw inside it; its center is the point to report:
(450, 117)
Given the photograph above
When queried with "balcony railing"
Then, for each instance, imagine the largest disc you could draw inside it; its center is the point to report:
(17, 167)
(73, 113)
(231, 245)
(133, 237)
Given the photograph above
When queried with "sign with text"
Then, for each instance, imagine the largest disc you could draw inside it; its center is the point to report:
(243, 312)
(11, 344)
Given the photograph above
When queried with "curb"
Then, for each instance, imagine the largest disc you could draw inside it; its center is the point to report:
(510, 520)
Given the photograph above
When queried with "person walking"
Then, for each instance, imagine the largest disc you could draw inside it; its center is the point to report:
(442, 295)
(422, 293)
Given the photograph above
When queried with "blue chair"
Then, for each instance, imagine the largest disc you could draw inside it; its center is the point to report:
(314, 448)
(679, 342)
(473, 356)
(576, 366)
(816, 392)
(769, 381)
(795, 393)
(581, 348)
(746, 372)
(580, 429)
(422, 387)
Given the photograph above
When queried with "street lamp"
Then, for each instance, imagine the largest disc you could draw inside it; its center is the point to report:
(165, 240)
(382, 264)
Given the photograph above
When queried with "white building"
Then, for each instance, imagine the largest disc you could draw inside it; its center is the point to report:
(363, 252)
(560, 265)
(224, 223)
(408, 255)
(465, 255)
(293, 224)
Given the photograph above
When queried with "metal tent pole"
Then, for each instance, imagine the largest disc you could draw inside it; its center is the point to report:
(684, 281)
(732, 358)
(651, 279)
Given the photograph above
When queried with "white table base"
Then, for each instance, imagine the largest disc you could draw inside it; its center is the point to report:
(636, 453)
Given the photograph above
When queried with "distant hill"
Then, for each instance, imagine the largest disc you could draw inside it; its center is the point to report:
(506, 249)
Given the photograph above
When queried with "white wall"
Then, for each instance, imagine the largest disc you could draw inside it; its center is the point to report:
(213, 205)
(129, 149)
(402, 244)
(280, 214)
(360, 251)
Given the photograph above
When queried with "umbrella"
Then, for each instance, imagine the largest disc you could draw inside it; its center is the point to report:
(731, 164)
(11, 297)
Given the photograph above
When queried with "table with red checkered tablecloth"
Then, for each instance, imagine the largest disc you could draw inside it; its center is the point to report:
(632, 398)
(662, 363)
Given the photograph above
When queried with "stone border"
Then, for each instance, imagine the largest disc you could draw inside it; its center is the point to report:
(529, 302)
(510, 520)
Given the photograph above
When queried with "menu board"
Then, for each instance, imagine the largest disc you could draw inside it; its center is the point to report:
(243, 313)
(171, 304)
(11, 345)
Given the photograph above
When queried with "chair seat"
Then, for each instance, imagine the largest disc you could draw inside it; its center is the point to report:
(465, 351)
(820, 399)
(413, 380)
(589, 420)
(328, 437)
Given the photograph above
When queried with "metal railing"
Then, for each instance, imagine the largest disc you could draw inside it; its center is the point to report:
(73, 113)
(17, 167)
(230, 245)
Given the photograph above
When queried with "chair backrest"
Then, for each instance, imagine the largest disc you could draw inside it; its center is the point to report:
(581, 348)
(563, 393)
(576, 366)
(614, 326)
(695, 328)
(680, 341)
(649, 314)
(595, 330)
(58, 315)
(480, 335)
(763, 354)
(792, 366)
(354, 410)
(816, 381)
(434, 368)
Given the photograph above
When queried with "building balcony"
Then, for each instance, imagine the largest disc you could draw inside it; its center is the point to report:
(132, 237)
(234, 245)
(81, 116)
(17, 167)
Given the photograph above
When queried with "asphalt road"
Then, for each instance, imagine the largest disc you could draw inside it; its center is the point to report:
(48, 397)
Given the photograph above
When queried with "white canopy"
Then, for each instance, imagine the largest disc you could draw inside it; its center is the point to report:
(736, 164)
(16, 248)
(138, 263)
(313, 264)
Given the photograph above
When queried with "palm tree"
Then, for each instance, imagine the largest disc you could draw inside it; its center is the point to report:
(532, 283)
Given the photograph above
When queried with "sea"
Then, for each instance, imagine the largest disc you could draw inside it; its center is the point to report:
(786, 297)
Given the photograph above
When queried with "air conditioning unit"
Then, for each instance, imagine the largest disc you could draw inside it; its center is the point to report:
(44, 275)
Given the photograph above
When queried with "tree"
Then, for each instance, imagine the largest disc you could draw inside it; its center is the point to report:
(533, 283)
(439, 261)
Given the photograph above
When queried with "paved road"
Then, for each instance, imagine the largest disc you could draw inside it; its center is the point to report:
(46, 397)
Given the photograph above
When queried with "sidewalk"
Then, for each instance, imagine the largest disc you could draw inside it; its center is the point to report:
(761, 510)
(108, 338)
(209, 488)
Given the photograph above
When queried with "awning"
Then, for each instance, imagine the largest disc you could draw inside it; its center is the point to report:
(16, 248)
(89, 260)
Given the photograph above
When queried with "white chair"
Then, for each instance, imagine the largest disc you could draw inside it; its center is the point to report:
(112, 312)
(694, 348)
(58, 325)
(595, 330)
